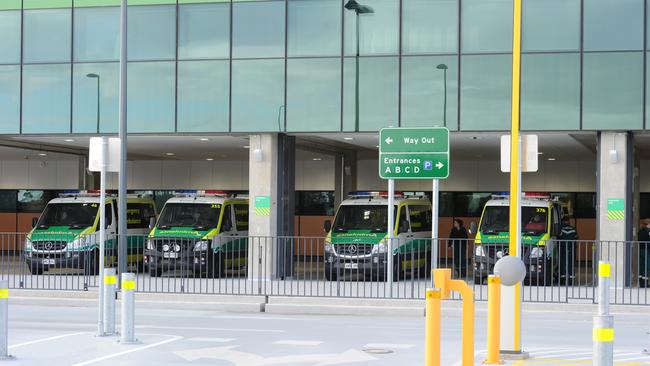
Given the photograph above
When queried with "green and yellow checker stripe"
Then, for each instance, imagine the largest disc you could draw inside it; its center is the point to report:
(4, 293)
(262, 211)
(616, 214)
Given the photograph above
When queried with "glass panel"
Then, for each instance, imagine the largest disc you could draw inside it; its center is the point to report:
(423, 91)
(203, 88)
(10, 99)
(96, 34)
(258, 29)
(486, 25)
(430, 26)
(46, 98)
(485, 92)
(9, 37)
(378, 31)
(47, 35)
(314, 95)
(151, 96)
(613, 25)
(258, 83)
(315, 203)
(84, 97)
(314, 28)
(550, 92)
(612, 91)
(152, 32)
(204, 31)
(8, 201)
(378, 93)
(551, 25)
(470, 204)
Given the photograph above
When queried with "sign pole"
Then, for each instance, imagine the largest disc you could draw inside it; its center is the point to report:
(102, 233)
(434, 223)
(391, 229)
(511, 297)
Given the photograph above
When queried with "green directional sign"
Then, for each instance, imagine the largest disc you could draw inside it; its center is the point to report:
(414, 153)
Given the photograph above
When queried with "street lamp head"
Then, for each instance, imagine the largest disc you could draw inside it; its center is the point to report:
(92, 75)
(441, 67)
(358, 8)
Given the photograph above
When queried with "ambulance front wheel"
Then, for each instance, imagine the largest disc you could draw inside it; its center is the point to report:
(216, 266)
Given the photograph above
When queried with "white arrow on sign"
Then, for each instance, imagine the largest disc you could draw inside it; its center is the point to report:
(389, 140)
(239, 358)
(439, 165)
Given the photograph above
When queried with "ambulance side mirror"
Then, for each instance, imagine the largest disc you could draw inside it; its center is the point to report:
(152, 222)
(327, 226)
(34, 221)
(473, 227)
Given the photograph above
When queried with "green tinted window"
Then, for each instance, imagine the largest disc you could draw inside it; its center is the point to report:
(96, 34)
(10, 99)
(485, 92)
(47, 35)
(152, 32)
(46, 98)
(486, 26)
(550, 92)
(537, 32)
(613, 91)
(204, 31)
(378, 31)
(84, 97)
(151, 95)
(429, 26)
(10, 36)
(613, 25)
(314, 28)
(203, 88)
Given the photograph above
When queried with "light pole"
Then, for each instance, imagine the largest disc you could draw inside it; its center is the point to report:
(358, 9)
(96, 76)
(444, 68)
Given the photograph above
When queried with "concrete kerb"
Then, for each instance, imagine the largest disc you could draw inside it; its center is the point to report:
(293, 305)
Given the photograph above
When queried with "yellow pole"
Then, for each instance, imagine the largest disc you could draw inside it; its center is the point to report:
(494, 320)
(432, 328)
(515, 184)
(467, 295)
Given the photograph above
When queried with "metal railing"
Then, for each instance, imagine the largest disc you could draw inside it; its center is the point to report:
(557, 271)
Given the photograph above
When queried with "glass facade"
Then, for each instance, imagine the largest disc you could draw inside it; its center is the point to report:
(291, 65)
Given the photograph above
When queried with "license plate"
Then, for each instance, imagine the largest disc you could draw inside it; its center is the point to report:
(48, 261)
(351, 265)
(170, 255)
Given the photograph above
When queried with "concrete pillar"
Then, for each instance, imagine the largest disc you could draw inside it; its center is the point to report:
(345, 176)
(272, 202)
(615, 202)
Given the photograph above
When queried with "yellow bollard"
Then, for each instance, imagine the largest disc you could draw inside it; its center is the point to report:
(432, 328)
(442, 280)
(494, 321)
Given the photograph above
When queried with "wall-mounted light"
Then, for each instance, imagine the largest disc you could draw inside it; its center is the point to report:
(613, 156)
(257, 155)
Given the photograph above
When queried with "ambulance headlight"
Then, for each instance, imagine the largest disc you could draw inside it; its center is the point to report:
(328, 248)
(479, 251)
(201, 246)
(77, 243)
(379, 248)
(537, 252)
(28, 245)
(150, 245)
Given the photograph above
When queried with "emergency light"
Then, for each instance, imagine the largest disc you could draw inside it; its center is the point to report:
(372, 194)
(85, 193)
(201, 193)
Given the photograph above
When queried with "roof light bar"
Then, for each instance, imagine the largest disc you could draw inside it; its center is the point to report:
(372, 194)
(85, 193)
(201, 193)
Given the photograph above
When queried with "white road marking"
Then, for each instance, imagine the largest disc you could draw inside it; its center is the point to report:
(46, 339)
(298, 343)
(219, 329)
(240, 358)
(114, 355)
(254, 317)
(215, 340)
(388, 345)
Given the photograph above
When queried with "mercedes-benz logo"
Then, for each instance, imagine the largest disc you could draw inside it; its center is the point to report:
(49, 245)
(352, 249)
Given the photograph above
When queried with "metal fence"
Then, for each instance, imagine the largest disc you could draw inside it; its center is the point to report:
(557, 271)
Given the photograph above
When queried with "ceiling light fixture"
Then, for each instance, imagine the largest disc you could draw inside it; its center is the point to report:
(69, 140)
(551, 159)
(209, 159)
(246, 146)
(42, 154)
(170, 154)
(204, 139)
(348, 138)
(317, 159)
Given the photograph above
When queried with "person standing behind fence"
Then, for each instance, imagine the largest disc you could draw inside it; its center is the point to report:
(459, 243)
(643, 237)
(568, 242)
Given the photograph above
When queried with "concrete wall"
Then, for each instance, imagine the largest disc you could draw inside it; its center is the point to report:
(485, 176)
(556, 176)
(35, 174)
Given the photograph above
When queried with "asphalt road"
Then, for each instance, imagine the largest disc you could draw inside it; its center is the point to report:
(64, 335)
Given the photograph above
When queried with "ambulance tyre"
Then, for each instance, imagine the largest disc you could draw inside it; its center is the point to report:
(425, 269)
(216, 266)
(331, 273)
(155, 272)
(91, 264)
(398, 272)
(36, 270)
